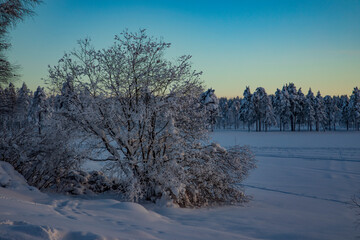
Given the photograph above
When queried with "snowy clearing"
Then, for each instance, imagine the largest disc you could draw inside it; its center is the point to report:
(301, 190)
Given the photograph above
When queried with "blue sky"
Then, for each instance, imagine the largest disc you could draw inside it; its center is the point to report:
(235, 43)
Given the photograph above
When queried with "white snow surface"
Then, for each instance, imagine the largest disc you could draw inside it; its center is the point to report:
(301, 190)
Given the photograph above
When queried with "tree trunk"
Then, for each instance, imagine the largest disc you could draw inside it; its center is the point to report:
(317, 126)
(259, 125)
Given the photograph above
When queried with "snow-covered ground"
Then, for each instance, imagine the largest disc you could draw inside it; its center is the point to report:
(301, 190)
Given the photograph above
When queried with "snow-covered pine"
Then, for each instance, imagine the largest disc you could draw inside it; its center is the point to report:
(266, 116)
(301, 114)
(354, 108)
(235, 112)
(285, 107)
(292, 97)
(319, 109)
(38, 109)
(309, 109)
(344, 106)
(211, 106)
(247, 111)
(337, 112)
(223, 121)
(278, 107)
(24, 98)
(329, 104)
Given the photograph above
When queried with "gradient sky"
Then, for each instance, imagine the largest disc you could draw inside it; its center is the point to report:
(235, 43)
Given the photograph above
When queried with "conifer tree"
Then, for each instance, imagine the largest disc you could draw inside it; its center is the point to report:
(345, 113)
(301, 114)
(310, 109)
(39, 108)
(354, 108)
(247, 111)
(319, 109)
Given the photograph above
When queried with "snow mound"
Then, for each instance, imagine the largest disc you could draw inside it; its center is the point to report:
(9, 178)
(12, 180)
(22, 230)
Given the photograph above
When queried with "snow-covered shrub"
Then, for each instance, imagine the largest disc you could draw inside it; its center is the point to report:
(146, 116)
(80, 182)
(35, 140)
(212, 175)
(41, 159)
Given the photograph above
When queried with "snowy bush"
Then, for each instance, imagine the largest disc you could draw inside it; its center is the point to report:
(81, 182)
(145, 114)
(41, 159)
(34, 140)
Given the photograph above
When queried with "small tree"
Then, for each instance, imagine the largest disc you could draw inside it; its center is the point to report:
(145, 113)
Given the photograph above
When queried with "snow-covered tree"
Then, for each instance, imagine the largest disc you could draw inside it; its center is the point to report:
(211, 106)
(38, 108)
(278, 107)
(235, 111)
(337, 111)
(247, 110)
(354, 108)
(301, 113)
(23, 102)
(224, 111)
(294, 110)
(10, 99)
(309, 109)
(319, 109)
(263, 108)
(145, 113)
(329, 112)
(286, 107)
(345, 113)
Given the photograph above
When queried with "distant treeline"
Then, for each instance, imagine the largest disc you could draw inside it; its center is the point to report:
(288, 109)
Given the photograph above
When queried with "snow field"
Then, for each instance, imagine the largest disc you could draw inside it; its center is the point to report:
(301, 190)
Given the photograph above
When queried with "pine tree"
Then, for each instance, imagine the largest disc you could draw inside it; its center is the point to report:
(294, 104)
(22, 104)
(39, 108)
(337, 111)
(263, 108)
(211, 104)
(354, 108)
(345, 113)
(310, 109)
(319, 109)
(247, 111)
(329, 111)
(278, 107)
(286, 107)
(301, 113)
(223, 108)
